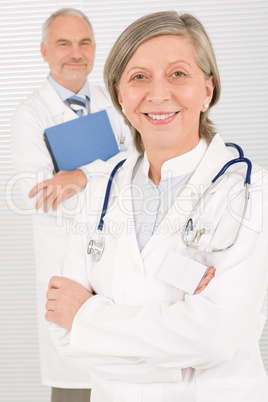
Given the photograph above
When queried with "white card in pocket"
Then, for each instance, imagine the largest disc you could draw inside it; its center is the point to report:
(182, 272)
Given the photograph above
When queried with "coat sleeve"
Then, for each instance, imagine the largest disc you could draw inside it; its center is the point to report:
(31, 159)
(127, 368)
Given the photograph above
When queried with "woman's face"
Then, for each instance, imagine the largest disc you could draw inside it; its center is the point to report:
(162, 91)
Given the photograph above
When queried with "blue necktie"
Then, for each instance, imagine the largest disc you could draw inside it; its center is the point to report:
(78, 104)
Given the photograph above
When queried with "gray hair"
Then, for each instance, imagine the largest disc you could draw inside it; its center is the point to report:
(151, 26)
(62, 12)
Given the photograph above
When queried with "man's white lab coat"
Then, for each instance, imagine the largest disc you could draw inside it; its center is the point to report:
(33, 164)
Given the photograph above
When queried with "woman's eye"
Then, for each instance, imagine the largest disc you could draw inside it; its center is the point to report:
(138, 77)
(179, 74)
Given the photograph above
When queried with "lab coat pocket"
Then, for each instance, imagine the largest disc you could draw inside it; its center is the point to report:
(240, 390)
(182, 272)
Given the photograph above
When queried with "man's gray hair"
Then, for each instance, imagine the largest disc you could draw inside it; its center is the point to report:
(62, 12)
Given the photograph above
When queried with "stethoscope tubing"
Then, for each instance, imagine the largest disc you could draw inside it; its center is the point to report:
(107, 194)
(232, 162)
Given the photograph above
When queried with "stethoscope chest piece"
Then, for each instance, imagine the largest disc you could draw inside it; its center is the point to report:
(96, 248)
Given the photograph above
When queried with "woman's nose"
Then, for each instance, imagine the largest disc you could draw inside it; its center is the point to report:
(159, 91)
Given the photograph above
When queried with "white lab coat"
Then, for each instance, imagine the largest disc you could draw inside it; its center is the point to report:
(146, 339)
(33, 164)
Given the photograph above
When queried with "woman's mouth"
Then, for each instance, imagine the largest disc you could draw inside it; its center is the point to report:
(159, 118)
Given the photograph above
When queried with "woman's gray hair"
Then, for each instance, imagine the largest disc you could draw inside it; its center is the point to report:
(151, 26)
(62, 13)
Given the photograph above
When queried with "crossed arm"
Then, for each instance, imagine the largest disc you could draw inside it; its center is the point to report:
(65, 297)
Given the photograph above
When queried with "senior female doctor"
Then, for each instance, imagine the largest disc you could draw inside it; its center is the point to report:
(135, 320)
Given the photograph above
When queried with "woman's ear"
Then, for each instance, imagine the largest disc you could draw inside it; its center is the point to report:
(210, 85)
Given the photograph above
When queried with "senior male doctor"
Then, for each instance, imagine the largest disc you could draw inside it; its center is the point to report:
(68, 47)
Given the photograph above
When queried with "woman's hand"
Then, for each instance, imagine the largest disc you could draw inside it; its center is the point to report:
(64, 299)
(205, 281)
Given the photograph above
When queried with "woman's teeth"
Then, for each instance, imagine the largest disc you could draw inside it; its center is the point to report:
(160, 116)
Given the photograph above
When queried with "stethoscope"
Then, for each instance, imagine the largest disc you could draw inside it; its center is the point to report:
(189, 237)
(96, 246)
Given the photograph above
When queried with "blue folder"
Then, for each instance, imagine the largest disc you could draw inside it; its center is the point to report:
(81, 141)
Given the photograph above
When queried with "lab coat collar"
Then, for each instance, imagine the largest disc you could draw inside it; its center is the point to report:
(54, 104)
(181, 165)
(216, 156)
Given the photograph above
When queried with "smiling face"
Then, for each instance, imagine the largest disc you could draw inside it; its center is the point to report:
(69, 51)
(163, 91)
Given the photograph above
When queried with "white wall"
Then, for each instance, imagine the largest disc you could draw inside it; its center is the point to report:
(239, 32)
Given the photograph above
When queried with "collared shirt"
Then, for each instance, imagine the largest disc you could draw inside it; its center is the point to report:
(65, 93)
(151, 203)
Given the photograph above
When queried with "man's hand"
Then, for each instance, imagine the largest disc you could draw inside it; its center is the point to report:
(64, 299)
(205, 281)
(55, 190)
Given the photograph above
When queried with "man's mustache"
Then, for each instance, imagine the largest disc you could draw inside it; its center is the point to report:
(80, 61)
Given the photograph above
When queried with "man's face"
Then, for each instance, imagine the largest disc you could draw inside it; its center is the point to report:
(69, 51)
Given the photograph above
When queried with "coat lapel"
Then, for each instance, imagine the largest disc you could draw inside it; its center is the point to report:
(119, 217)
(57, 109)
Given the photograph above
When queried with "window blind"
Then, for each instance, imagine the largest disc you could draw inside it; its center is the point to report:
(239, 32)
